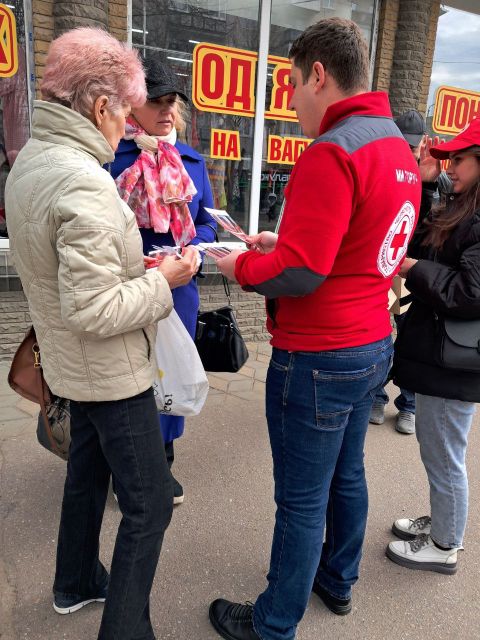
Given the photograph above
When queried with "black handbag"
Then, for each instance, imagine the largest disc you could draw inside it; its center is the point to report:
(458, 343)
(218, 339)
(58, 412)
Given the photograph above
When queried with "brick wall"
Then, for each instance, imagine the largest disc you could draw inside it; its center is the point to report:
(14, 321)
(117, 19)
(405, 47)
(52, 17)
(43, 28)
(387, 27)
(410, 58)
(249, 308)
(430, 50)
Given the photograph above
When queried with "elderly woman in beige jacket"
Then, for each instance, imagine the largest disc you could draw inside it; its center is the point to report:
(79, 255)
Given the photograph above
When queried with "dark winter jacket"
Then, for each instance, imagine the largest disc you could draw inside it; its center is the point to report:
(445, 283)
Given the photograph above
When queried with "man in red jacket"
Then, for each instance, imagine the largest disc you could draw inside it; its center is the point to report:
(351, 207)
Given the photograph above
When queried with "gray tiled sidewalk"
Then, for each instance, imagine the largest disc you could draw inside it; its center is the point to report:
(249, 382)
(219, 540)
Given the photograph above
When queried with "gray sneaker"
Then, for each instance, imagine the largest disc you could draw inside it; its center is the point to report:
(421, 553)
(409, 528)
(405, 422)
(377, 414)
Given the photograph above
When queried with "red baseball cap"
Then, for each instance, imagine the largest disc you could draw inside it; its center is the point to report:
(469, 137)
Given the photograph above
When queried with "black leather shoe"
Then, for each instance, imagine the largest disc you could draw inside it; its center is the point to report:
(232, 621)
(339, 606)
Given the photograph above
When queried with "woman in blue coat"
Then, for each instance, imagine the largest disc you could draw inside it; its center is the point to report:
(153, 125)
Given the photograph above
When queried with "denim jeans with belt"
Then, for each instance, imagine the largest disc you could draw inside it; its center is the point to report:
(442, 432)
(318, 405)
(119, 437)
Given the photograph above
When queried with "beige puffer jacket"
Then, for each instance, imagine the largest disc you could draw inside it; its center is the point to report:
(79, 255)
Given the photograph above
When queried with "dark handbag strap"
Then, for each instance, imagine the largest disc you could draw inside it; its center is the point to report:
(405, 299)
(37, 365)
(226, 286)
(210, 226)
(43, 410)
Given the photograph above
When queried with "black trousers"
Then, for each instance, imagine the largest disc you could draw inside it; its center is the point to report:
(123, 438)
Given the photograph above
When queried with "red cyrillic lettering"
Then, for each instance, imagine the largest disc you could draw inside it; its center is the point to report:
(281, 90)
(461, 113)
(474, 109)
(3, 57)
(212, 76)
(299, 147)
(219, 143)
(275, 149)
(232, 148)
(288, 151)
(239, 85)
(448, 111)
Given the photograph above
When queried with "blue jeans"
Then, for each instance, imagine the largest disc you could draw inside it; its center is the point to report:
(121, 437)
(405, 401)
(318, 405)
(442, 428)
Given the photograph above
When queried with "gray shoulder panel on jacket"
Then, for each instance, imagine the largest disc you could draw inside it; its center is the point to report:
(293, 281)
(355, 132)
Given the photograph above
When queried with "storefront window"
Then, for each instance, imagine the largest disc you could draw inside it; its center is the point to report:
(172, 29)
(14, 112)
(213, 47)
(281, 134)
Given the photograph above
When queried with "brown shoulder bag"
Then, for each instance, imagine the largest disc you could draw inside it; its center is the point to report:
(26, 378)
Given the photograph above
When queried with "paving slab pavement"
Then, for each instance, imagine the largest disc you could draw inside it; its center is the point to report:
(219, 540)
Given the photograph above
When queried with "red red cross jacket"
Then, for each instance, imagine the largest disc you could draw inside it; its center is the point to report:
(351, 207)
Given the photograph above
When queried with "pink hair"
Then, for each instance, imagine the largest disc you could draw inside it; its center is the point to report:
(86, 63)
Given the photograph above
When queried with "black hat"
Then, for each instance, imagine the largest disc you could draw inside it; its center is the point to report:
(412, 126)
(161, 80)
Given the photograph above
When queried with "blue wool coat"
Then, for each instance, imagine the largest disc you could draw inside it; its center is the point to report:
(185, 299)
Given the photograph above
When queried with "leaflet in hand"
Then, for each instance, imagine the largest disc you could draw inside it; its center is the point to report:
(227, 222)
(220, 249)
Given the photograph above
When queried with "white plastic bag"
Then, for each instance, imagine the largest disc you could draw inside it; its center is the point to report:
(181, 385)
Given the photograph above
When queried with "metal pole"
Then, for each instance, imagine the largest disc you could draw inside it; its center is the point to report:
(374, 39)
(144, 25)
(29, 56)
(129, 22)
(261, 89)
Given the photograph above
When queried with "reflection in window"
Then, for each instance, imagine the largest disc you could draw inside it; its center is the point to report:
(14, 116)
(289, 19)
(170, 29)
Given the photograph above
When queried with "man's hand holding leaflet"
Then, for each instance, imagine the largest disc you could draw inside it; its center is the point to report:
(312, 228)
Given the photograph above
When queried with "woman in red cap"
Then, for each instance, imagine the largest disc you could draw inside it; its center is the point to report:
(443, 274)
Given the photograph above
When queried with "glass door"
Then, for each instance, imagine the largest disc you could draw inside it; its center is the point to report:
(14, 101)
(211, 45)
(283, 138)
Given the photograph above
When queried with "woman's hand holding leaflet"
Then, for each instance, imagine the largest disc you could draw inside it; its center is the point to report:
(179, 271)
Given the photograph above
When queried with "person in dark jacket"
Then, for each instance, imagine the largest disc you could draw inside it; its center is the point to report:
(443, 274)
(153, 129)
(412, 125)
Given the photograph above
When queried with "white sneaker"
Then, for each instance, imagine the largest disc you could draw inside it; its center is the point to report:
(407, 528)
(377, 414)
(421, 553)
(405, 422)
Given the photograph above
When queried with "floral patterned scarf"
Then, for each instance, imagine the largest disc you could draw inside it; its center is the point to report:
(157, 186)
